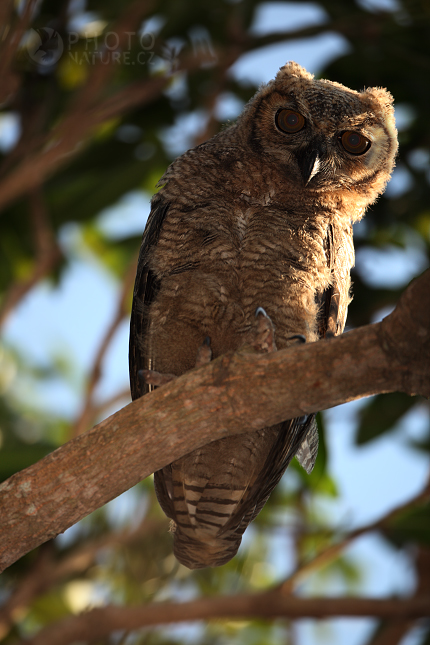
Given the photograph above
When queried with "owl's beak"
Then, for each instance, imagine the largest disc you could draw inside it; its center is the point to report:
(309, 161)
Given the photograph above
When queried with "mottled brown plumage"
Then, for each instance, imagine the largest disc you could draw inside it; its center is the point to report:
(259, 216)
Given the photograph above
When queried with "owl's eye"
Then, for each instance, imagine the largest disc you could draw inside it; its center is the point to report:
(289, 121)
(354, 142)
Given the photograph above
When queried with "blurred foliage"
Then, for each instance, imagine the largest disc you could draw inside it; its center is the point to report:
(129, 151)
(411, 526)
(381, 414)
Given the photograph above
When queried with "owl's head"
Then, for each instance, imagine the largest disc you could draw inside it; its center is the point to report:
(323, 134)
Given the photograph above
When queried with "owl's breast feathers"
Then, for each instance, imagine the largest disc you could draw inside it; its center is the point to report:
(263, 240)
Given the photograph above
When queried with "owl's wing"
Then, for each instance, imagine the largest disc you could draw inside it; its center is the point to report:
(146, 287)
(299, 437)
(307, 453)
(292, 435)
(329, 300)
(334, 301)
(333, 308)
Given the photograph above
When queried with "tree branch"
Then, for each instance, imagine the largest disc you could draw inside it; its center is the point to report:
(267, 605)
(235, 393)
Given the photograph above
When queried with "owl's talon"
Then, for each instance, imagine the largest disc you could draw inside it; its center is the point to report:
(299, 337)
(151, 377)
(264, 333)
(204, 353)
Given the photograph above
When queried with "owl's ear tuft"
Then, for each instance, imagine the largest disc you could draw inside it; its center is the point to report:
(381, 97)
(381, 102)
(291, 68)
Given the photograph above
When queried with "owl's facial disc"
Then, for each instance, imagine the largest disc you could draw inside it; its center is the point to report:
(308, 159)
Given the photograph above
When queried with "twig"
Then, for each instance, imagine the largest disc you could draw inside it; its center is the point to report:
(13, 32)
(225, 61)
(48, 255)
(89, 409)
(392, 632)
(332, 552)
(119, 397)
(91, 92)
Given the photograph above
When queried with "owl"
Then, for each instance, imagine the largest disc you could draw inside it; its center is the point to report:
(257, 219)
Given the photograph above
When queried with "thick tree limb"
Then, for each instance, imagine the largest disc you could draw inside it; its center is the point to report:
(235, 393)
(97, 623)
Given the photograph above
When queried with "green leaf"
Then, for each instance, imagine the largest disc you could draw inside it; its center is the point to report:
(426, 638)
(411, 526)
(381, 414)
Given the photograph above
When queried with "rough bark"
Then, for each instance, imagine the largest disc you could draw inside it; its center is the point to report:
(235, 393)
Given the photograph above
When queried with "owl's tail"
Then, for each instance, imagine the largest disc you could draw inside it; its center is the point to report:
(212, 552)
